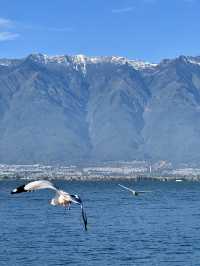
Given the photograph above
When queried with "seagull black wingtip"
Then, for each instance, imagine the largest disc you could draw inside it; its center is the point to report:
(84, 216)
(19, 189)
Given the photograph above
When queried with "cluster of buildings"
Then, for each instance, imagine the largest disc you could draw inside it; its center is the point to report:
(161, 170)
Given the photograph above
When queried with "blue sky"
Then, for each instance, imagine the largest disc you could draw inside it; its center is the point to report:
(139, 29)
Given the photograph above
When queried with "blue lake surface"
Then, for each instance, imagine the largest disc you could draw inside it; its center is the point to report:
(161, 228)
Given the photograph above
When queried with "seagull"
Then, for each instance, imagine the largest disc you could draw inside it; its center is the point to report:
(135, 193)
(61, 198)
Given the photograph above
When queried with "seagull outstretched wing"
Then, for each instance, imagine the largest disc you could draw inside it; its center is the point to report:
(77, 199)
(62, 198)
(133, 191)
(35, 185)
(84, 216)
(144, 191)
(127, 188)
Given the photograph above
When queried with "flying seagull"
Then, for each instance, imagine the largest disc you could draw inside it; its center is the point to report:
(135, 193)
(61, 198)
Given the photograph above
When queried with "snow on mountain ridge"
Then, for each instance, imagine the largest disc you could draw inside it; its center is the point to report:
(8, 62)
(82, 60)
(5, 62)
(194, 60)
(138, 64)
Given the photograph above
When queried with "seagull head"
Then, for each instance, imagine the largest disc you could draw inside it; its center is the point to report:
(54, 202)
(19, 189)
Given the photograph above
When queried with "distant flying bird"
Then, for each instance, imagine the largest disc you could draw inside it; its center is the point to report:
(135, 193)
(62, 198)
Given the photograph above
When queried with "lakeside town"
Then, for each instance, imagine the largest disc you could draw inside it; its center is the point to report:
(161, 170)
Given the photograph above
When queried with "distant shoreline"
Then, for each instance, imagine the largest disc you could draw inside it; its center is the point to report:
(107, 178)
(105, 172)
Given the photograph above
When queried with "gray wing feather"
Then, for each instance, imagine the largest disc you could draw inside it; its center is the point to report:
(40, 184)
(127, 188)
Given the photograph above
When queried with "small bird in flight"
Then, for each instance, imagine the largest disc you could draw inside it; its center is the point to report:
(135, 193)
(62, 198)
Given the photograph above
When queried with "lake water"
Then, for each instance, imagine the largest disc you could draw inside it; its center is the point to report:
(161, 228)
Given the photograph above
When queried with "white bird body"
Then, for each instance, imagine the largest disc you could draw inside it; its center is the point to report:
(62, 198)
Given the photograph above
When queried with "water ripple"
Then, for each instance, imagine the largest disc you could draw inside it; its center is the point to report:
(155, 229)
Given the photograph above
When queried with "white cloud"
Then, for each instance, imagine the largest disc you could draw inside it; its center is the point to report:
(42, 28)
(7, 28)
(5, 23)
(8, 24)
(8, 36)
(122, 10)
(5, 33)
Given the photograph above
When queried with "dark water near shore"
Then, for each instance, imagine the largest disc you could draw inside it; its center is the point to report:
(158, 228)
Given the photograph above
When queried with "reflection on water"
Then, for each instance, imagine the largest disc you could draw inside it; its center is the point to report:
(159, 228)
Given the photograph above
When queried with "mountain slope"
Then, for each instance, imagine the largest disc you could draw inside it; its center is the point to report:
(172, 121)
(71, 109)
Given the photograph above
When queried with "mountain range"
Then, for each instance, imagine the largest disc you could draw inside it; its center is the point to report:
(78, 109)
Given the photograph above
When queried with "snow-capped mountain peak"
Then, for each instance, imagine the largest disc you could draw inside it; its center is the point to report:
(83, 60)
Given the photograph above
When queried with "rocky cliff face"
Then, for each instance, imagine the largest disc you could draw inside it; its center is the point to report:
(70, 109)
